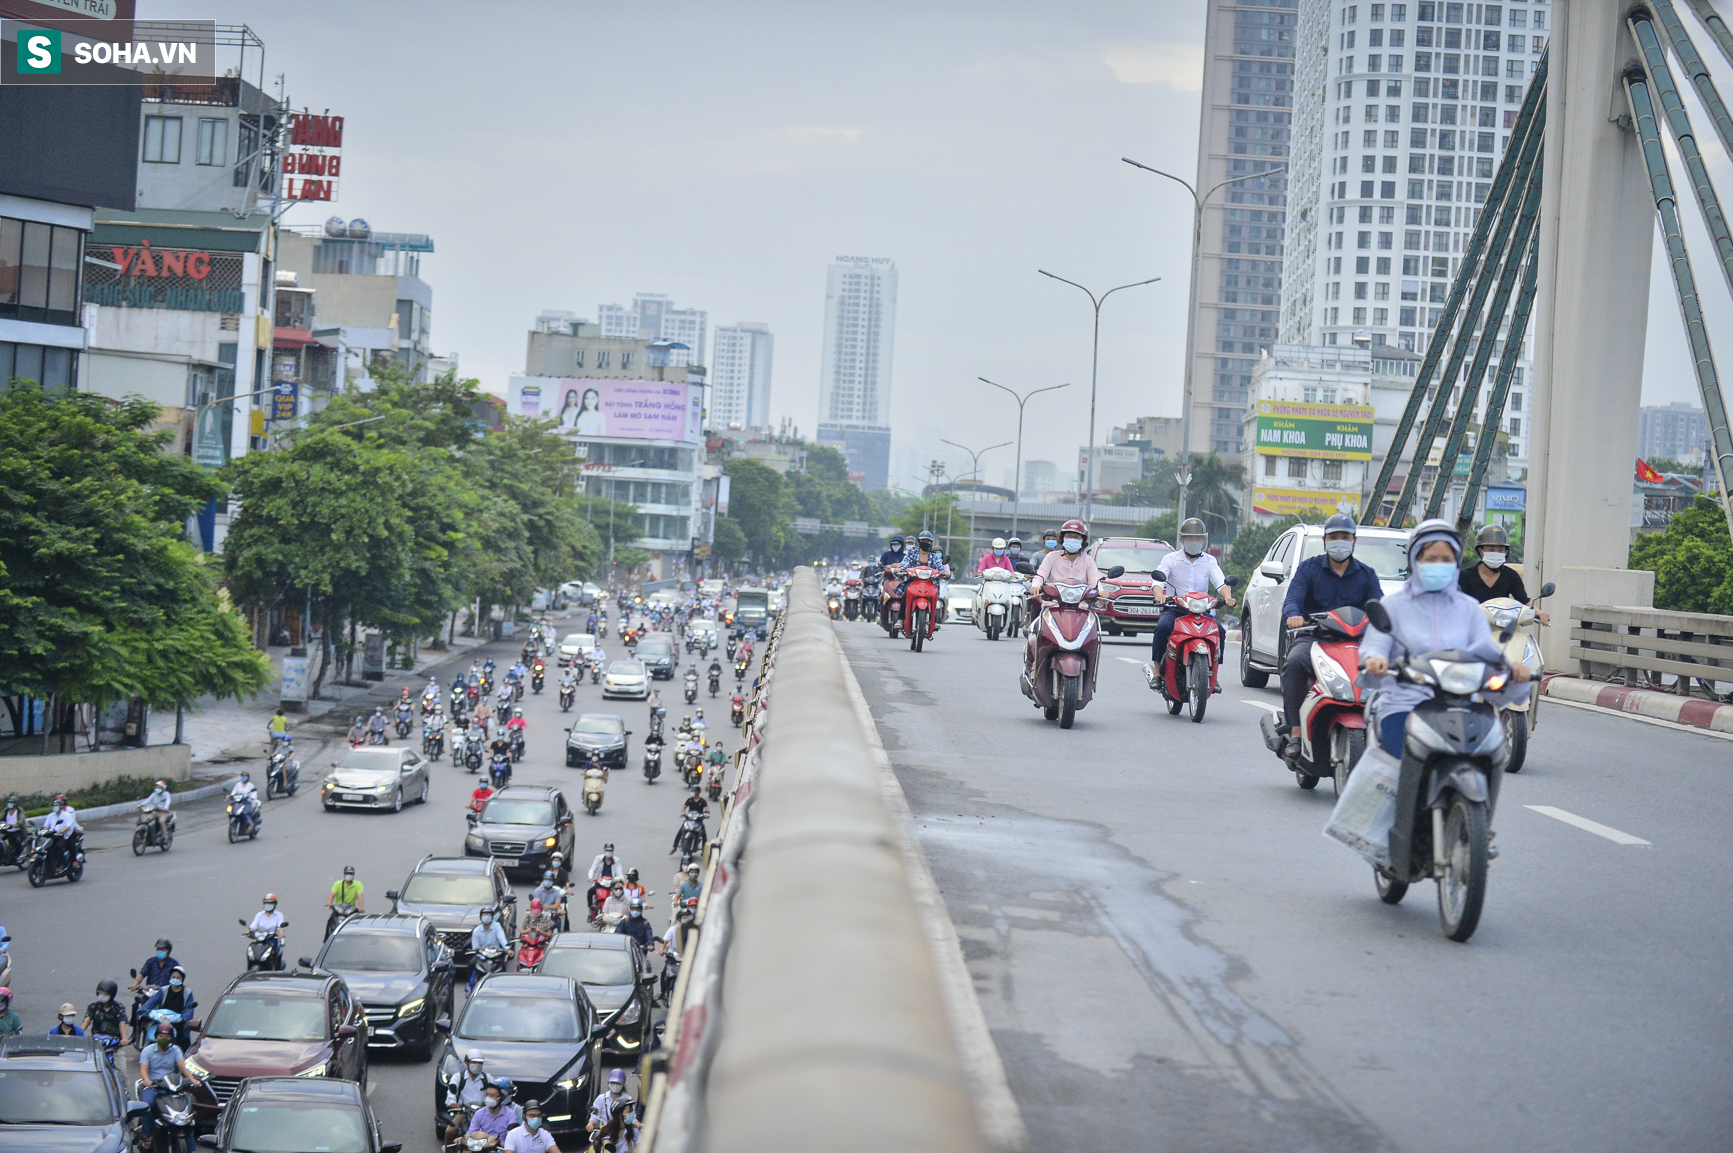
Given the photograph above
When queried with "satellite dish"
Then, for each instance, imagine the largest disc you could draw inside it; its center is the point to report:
(359, 229)
(335, 227)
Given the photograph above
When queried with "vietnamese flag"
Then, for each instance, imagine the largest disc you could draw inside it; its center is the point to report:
(1647, 474)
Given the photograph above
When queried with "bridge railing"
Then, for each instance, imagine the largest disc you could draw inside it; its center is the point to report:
(1644, 647)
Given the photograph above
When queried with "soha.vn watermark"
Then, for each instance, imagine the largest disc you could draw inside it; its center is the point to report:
(101, 52)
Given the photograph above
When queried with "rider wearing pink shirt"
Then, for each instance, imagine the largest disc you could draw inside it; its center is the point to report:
(1068, 564)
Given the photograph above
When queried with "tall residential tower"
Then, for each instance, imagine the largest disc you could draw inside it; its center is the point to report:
(854, 387)
(740, 376)
(652, 316)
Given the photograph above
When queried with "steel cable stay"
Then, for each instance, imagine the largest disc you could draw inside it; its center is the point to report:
(1501, 387)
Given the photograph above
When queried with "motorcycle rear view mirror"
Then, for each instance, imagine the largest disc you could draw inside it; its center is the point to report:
(1376, 614)
(1546, 590)
(1230, 582)
(1025, 568)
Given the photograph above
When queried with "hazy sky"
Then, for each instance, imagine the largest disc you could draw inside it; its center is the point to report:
(566, 155)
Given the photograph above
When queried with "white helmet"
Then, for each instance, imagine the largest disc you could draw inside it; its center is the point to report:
(998, 544)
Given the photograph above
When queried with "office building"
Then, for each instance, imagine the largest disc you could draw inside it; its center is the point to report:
(371, 302)
(1116, 466)
(740, 377)
(1676, 431)
(652, 316)
(1393, 161)
(1248, 103)
(854, 387)
(1040, 477)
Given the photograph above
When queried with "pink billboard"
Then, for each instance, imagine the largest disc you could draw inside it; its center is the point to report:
(641, 409)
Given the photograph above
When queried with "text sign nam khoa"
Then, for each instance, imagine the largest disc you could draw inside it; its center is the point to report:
(1319, 431)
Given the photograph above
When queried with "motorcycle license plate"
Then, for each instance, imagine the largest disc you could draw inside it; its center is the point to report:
(1141, 610)
(508, 862)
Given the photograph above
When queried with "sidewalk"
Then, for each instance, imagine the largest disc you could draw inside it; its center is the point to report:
(1692, 711)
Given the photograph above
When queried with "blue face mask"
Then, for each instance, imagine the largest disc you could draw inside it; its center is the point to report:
(532, 1123)
(1436, 576)
(161, 956)
(1073, 546)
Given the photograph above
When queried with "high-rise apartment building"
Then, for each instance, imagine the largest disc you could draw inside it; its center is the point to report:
(740, 376)
(854, 387)
(1248, 98)
(1404, 111)
(1677, 431)
(652, 316)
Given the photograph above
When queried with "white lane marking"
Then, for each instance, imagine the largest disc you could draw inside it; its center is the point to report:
(1264, 705)
(1587, 825)
(1606, 712)
(1131, 661)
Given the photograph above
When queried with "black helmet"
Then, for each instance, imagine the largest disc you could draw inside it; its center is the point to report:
(1341, 522)
(1491, 536)
(108, 987)
(1195, 528)
(631, 874)
(925, 536)
(165, 944)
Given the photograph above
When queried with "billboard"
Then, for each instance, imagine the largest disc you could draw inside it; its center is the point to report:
(641, 409)
(1317, 431)
(1293, 501)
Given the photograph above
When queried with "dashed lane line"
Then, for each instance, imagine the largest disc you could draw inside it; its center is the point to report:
(1587, 825)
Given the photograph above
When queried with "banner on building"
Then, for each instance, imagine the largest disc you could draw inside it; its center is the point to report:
(1294, 501)
(285, 400)
(1317, 431)
(640, 409)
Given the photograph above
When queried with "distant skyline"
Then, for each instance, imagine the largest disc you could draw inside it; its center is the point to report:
(735, 151)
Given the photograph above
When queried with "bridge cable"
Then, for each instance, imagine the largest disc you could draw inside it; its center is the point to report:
(1717, 27)
(1501, 387)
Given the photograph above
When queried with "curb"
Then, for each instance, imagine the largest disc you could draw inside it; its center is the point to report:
(102, 811)
(1689, 711)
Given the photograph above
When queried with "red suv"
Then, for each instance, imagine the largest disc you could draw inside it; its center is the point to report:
(1127, 605)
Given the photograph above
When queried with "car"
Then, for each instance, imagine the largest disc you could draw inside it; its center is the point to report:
(668, 597)
(540, 1031)
(627, 679)
(712, 587)
(1263, 637)
(58, 1093)
(659, 656)
(300, 1113)
(401, 972)
(376, 777)
(702, 628)
(960, 601)
(597, 738)
(293, 1024)
(1127, 603)
(616, 977)
(451, 892)
(574, 647)
(521, 827)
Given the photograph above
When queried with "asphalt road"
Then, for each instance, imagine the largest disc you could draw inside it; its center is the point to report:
(1171, 957)
(65, 938)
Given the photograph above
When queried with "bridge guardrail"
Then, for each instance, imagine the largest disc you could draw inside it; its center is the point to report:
(1640, 646)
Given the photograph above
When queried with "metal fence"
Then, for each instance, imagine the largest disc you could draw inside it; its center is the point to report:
(1654, 648)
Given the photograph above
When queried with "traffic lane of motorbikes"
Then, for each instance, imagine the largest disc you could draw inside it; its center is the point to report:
(1170, 884)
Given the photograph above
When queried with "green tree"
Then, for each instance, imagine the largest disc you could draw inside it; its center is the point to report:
(1692, 560)
(938, 512)
(760, 503)
(730, 543)
(1213, 495)
(101, 597)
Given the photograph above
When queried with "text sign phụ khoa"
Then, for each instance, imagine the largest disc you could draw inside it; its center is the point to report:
(1317, 431)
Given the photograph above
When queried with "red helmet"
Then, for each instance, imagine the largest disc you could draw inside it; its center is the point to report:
(1075, 526)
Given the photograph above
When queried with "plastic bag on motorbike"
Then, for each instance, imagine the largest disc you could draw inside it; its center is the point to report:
(1366, 810)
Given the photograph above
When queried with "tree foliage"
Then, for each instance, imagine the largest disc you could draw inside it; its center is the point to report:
(760, 504)
(1692, 560)
(1212, 496)
(101, 597)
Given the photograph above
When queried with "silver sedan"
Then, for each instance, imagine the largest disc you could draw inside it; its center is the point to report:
(376, 777)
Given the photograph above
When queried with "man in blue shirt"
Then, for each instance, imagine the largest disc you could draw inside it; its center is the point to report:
(1331, 580)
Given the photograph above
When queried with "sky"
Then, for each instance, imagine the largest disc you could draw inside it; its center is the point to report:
(724, 154)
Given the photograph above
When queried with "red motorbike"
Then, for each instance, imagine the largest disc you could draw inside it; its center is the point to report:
(1333, 715)
(1064, 649)
(1193, 659)
(737, 709)
(920, 605)
(531, 948)
(891, 610)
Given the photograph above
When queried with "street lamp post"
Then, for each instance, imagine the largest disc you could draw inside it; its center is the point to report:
(1094, 360)
(1198, 203)
(1017, 469)
(975, 472)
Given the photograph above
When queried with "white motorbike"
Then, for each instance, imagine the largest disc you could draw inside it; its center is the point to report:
(999, 601)
(1519, 720)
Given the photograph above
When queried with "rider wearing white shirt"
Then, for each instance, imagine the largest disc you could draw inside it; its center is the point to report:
(1188, 569)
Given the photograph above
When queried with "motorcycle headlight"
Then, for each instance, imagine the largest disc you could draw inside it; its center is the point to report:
(1459, 677)
(1071, 594)
(316, 1071)
(412, 1008)
(196, 1069)
(634, 1010)
(1504, 617)
(1332, 675)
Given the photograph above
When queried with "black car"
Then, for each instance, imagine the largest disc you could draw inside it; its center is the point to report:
(58, 1095)
(299, 1113)
(597, 739)
(451, 892)
(400, 971)
(617, 979)
(521, 827)
(658, 655)
(541, 1032)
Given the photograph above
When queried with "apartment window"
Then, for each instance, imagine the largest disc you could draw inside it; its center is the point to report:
(1332, 470)
(1381, 291)
(1360, 290)
(162, 139)
(577, 358)
(1405, 315)
(213, 148)
(1392, 139)
(39, 267)
(1383, 266)
(1385, 240)
(625, 361)
(1369, 163)
(1411, 267)
(1335, 316)
(1537, 43)
(55, 369)
(1410, 288)
(1359, 316)
(1270, 465)
(1398, 13)
(1296, 466)
(1380, 317)
(1365, 214)
(1515, 426)
(1516, 402)
(1362, 265)
(602, 358)
(1377, 13)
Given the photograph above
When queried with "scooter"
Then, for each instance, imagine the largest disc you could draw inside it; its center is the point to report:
(713, 783)
(594, 780)
(891, 614)
(264, 949)
(1520, 719)
(405, 719)
(692, 836)
(1333, 715)
(499, 772)
(652, 760)
(432, 743)
(691, 687)
(53, 855)
(172, 1120)
(340, 911)
(282, 773)
(146, 834)
(531, 948)
(516, 744)
(491, 959)
(1064, 649)
(244, 820)
(538, 677)
(715, 684)
(737, 710)
(851, 598)
(999, 602)
(568, 697)
(472, 751)
(1192, 662)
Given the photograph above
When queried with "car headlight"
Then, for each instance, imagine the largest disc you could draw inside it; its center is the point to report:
(412, 1008)
(567, 1085)
(550, 842)
(316, 1071)
(474, 842)
(634, 1010)
(196, 1069)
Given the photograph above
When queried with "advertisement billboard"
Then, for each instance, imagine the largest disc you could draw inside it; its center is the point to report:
(1293, 501)
(640, 409)
(1316, 431)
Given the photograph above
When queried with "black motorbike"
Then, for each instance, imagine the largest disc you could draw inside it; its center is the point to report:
(172, 1122)
(492, 959)
(54, 855)
(264, 950)
(692, 836)
(432, 744)
(282, 774)
(377, 736)
(652, 758)
(500, 772)
(516, 741)
(340, 911)
(568, 696)
(15, 847)
(139, 1023)
(502, 711)
(472, 753)
(244, 820)
(147, 835)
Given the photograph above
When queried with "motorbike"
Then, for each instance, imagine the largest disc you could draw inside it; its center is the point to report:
(1193, 659)
(568, 697)
(502, 711)
(459, 706)
(1453, 763)
(146, 835)
(595, 670)
(713, 783)
(715, 684)
(172, 1122)
(872, 583)
(282, 773)
(491, 959)
(692, 836)
(405, 719)
(834, 604)
(377, 736)
(538, 678)
(737, 710)
(499, 772)
(472, 750)
(1333, 714)
(53, 856)
(531, 948)
(851, 599)
(740, 667)
(921, 609)
(730, 648)
(652, 759)
(602, 629)
(1064, 649)
(892, 602)
(594, 780)
(264, 949)
(999, 608)
(691, 689)
(244, 820)
(340, 911)
(432, 743)
(1519, 720)
(15, 846)
(515, 741)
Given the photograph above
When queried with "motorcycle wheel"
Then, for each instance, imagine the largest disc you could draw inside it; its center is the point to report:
(234, 829)
(992, 628)
(253, 835)
(270, 787)
(75, 872)
(1462, 888)
(1069, 691)
(37, 876)
(591, 804)
(168, 839)
(1516, 732)
(1346, 747)
(1306, 780)
(140, 839)
(1249, 677)
(920, 630)
(1197, 685)
(1390, 890)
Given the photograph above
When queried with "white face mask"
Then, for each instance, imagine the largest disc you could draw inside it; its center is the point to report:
(1339, 550)
(1492, 560)
(1073, 545)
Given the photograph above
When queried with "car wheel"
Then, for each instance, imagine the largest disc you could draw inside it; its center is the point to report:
(422, 799)
(1249, 677)
(397, 801)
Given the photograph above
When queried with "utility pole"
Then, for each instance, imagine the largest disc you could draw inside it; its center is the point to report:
(1017, 470)
(975, 474)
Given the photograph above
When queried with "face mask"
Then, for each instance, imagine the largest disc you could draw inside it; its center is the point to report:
(69, 1020)
(1492, 560)
(1073, 546)
(161, 956)
(270, 907)
(636, 914)
(1339, 550)
(1051, 544)
(616, 1088)
(162, 1042)
(1192, 547)
(487, 920)
(532, 1123)
(1436, 576)
(493, 1102)
(104, 998)
(474, 1068)
(998, 552)
(175, 982)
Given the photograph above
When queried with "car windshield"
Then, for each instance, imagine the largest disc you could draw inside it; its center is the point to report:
(373, 953)
(1141, 560)
(600, 726)
(53, 1097)
(299, 1127)
(265, 1016)
(656, 646)
(589, 966)
(491, 1018)
(579, 641)
(373, 760)
(511, 811)
(625, 669)
(1388, 555)
(448, 889)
